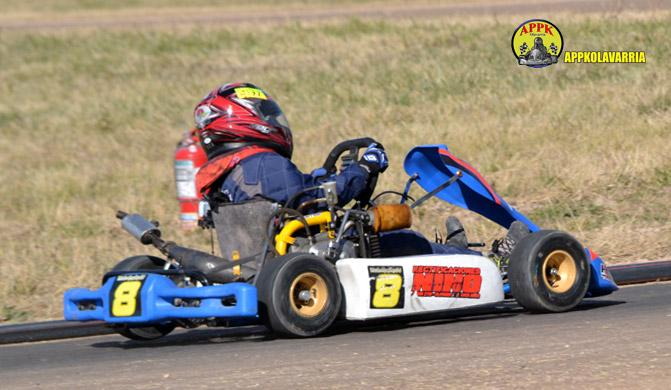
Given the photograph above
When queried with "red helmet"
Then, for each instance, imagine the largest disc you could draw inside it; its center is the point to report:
(237, 115)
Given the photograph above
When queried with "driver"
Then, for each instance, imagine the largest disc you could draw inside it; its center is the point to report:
(249, 145)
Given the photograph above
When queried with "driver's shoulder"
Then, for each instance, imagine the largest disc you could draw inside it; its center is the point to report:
(266, 164)
(275, 161)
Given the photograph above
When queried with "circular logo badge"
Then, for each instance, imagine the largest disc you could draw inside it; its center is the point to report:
(202, 115)
(537, 43)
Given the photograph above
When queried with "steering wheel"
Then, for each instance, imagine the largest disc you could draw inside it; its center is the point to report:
(352, 148)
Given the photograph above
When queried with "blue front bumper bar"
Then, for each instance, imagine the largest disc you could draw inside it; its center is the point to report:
(137, 298)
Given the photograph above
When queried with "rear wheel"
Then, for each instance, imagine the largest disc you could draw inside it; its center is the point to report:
(549, 272)
(146, 333)
(137, 263)
(299, 294)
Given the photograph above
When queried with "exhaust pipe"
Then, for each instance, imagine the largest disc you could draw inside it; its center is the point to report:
(138, 227)
(216, 269)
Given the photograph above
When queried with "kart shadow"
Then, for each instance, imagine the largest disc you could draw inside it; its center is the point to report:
(589, 304)
(487, 312)
(195, 337)
(259, 333)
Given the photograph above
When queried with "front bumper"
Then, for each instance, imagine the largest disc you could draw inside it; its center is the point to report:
(138, 298)
(601, 281)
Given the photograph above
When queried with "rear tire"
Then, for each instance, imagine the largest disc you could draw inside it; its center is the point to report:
(299, 294)
(146, 333)
(549, 272)
(137, 263)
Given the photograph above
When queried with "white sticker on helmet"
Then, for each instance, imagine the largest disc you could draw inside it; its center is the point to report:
(202, 115)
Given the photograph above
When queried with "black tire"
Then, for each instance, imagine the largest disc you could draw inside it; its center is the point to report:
(279, 284)
(549, 272)
(146, 333)
(137, 263)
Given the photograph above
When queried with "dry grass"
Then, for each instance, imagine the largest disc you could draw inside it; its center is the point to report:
(89, 121)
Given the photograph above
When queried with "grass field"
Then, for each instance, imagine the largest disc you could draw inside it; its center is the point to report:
(89, 122)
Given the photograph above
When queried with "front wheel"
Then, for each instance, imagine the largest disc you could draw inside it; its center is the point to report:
(549, 272)
(138, 263)
(299, 294)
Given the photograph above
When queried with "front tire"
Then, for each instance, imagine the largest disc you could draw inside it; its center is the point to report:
(299, 294)
(549, 272)
(138, 263)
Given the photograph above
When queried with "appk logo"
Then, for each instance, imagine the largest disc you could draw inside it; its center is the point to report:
(537, 43)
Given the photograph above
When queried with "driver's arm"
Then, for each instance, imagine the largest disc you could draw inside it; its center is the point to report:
(273, 177)
(349, 183)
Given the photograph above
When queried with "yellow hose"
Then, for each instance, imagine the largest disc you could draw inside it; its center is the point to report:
(285, 237)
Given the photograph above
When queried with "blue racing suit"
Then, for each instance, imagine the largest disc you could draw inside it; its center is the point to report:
(275, 178)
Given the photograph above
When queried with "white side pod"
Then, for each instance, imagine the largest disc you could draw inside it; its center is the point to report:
(397, 286)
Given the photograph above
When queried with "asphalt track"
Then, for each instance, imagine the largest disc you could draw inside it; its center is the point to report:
(620, 341)
(159, 18)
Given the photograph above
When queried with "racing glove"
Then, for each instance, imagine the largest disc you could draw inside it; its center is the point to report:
(374, 159)
(318, 173)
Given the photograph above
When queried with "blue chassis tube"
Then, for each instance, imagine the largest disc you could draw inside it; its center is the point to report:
(156, 297)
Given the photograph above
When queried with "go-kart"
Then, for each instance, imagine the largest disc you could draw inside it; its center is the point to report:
(297, 268)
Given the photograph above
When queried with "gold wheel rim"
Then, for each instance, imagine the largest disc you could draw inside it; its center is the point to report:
(315, 286)
(559, 271)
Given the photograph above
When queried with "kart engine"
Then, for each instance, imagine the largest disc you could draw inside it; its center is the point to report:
(320, 247)
(349, 235)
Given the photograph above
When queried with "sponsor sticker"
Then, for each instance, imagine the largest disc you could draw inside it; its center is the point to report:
(250, 93)
(446, 282)
(123, 278)
(605, 273)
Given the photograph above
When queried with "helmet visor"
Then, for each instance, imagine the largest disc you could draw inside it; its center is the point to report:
(258, 102)
(265, 109)
(270, 112)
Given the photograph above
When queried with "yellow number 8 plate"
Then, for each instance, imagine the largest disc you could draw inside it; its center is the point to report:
(126, 296)
(386, 287)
